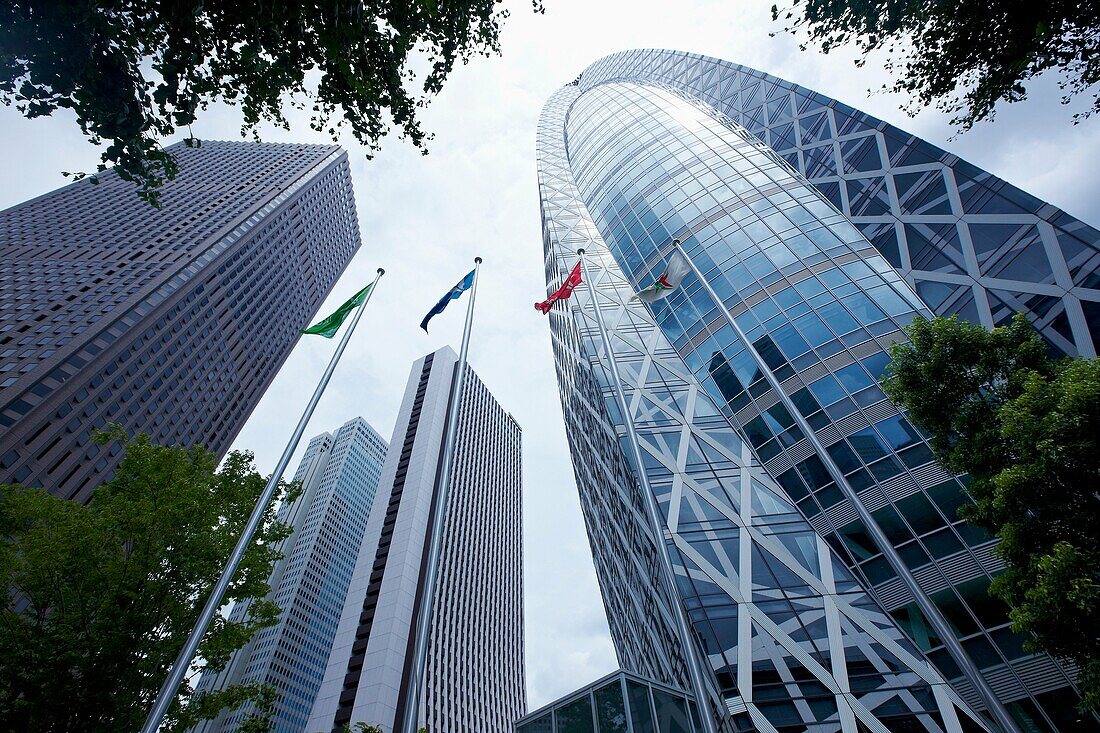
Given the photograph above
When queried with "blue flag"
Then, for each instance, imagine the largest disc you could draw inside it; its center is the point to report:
(463, 285)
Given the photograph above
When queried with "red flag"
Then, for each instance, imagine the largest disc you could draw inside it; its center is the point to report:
(563, 292)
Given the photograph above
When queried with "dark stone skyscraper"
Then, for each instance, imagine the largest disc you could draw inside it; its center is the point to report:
(172, 321)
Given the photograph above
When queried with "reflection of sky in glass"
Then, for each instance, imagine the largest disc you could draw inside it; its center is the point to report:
(816, 301)
(804, 284)
(819, 298)
(745, 555)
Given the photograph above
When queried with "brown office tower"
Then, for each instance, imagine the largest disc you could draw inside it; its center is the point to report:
(169, 321)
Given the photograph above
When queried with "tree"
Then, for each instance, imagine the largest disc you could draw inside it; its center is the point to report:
(965, 56)
(1026, 429)
(135, 71)
(104, 595)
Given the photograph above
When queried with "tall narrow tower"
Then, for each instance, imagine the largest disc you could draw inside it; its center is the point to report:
(169, 321)
(339, 476)
(474, 674)
(805, 512)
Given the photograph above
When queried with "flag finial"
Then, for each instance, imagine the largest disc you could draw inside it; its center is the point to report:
(477, 260)
(381, 271)
(580, 251)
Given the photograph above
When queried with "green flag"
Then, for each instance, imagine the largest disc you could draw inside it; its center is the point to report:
(329, 326)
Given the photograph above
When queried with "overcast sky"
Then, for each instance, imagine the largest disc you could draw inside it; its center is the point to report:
(425, 218)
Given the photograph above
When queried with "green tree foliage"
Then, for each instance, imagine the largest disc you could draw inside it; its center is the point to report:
(135, 71)
(965, 56)
(1026, 429)
(104, 595)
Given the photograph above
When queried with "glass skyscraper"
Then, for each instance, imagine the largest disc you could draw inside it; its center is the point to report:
(803, 510)
(473, 676)
(169, 321)
(339, 475)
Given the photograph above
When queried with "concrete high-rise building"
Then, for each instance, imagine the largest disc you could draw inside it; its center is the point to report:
(339, 476)
(169, 321)
(474, 673)
(823, 232)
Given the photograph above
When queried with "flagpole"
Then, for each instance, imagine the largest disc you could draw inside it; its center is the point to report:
(171, 685)
(659, 528)
(439, 517)
(928, 608)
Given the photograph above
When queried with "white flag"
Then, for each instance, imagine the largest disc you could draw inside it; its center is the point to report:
(674, 274)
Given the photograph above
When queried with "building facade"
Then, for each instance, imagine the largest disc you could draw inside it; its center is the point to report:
(169, 321)
(616, 703)
(474, 673)
(823, 232)
(339, 476)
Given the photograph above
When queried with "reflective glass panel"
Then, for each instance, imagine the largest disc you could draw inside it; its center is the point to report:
(539, 725)
(575, 717)
(610, 709)
(672, 714)
(641, 715)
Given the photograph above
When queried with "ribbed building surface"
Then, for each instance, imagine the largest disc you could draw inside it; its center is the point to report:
(474, 674)
(339, 476)
(168, 321)
(785, 588)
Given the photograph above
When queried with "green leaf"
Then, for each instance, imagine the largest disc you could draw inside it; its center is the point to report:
(93, 57)
(1026, 429)
(113, 588)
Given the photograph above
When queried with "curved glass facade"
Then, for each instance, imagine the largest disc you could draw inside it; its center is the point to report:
(634, 154)
(965, 240)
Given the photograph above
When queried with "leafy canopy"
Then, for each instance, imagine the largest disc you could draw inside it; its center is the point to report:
(104, 595)
(1027, 430)
(965, 56)
(135, 71)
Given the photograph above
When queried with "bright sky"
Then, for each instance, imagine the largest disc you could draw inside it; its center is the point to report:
(425, 218)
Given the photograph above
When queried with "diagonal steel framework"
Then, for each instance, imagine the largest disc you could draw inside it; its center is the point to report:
(787, 629)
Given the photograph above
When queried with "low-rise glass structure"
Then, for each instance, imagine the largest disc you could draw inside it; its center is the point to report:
(618, 703)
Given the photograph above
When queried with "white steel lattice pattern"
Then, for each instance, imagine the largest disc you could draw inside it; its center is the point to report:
(967, 241)
(789, 633)
(818, 305)
(654, 145)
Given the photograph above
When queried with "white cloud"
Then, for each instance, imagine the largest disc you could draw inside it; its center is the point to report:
(425, 218)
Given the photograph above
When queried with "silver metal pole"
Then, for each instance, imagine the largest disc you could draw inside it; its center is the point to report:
(439, 517)
(924, 602)
(214, 602)
(656, 525)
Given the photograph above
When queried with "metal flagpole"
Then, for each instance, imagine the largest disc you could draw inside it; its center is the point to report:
(926, 605)
(439, 517)
(691, 655)
(213, 603)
